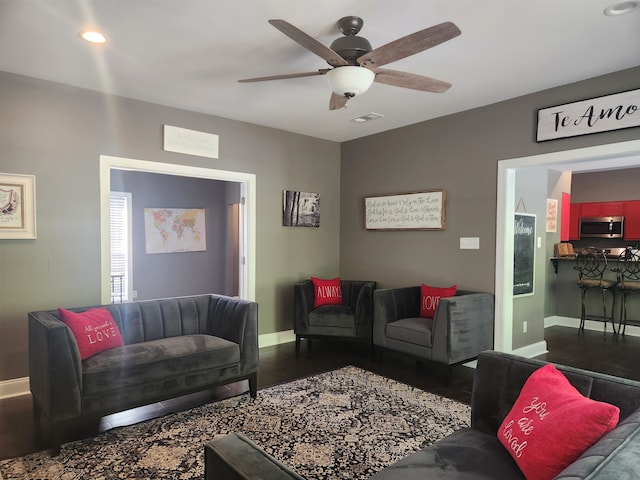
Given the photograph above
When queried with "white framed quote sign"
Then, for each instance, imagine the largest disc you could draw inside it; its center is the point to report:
(406, 211)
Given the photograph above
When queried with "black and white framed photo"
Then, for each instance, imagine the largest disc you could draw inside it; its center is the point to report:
(300, 209)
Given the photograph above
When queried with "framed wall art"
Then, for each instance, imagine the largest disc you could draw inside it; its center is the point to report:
(174, 230)
(300, 209)
(406, 211)
(601, 114)
(17, 206)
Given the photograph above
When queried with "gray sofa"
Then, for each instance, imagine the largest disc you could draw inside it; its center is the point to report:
(475, 452)
(461, 328)
(172, 347)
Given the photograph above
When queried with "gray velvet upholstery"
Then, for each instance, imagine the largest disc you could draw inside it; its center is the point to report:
(461, 328)
(172, 347)
(234, 456)
(351, 319)
(474, 453)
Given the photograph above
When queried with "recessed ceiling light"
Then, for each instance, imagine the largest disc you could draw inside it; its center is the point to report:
(621, 8)
(93, 36)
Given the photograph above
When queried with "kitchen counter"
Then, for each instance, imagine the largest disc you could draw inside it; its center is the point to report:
(567, 293)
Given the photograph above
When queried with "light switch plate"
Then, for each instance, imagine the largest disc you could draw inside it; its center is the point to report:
(469, 243)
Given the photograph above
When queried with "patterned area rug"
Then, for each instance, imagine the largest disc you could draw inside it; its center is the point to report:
(344, 424)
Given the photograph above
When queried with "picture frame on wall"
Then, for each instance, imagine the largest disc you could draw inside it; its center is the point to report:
(423, 210)
(17, 206)
(300, 209)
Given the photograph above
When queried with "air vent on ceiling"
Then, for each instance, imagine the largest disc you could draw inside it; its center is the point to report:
(366, 118)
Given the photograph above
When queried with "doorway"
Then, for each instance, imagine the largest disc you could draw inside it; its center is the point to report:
(601, 157)
(246, 241)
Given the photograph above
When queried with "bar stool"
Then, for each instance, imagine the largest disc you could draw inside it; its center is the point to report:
(628, 271)
(591, 263)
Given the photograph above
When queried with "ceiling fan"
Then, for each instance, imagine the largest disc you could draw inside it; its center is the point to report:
(355, 65)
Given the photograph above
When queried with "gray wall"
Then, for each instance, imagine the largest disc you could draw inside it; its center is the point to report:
(559, 183)
(58, 133)
(609, 186)
(161, 275)
(458, 153)
(531, 197)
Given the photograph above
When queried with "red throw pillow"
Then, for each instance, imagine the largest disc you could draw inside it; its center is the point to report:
(431, 296)
(327, 292)
(94, 329)
(552, 424)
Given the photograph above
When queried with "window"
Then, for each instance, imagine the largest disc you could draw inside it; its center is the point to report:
(120, 227)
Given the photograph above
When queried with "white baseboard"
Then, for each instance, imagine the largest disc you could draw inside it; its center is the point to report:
(557, 320)
(14, 387)
(533, 350)
(276, 338)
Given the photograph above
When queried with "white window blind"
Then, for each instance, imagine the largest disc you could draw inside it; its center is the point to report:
(120, 227)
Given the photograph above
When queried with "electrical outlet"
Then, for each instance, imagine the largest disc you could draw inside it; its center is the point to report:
(524, 327)
(134, 294)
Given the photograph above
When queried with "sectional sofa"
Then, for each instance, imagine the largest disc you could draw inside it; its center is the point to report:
(476, 453)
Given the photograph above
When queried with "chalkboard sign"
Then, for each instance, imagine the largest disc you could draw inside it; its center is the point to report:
(406, 211)
(524, 244)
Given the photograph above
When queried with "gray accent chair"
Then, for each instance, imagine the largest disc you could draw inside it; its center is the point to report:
(461, 328)
(351, 319)
(172, 347)
(475, 453)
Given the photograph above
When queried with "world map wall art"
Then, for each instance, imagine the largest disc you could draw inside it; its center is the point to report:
(171, 230)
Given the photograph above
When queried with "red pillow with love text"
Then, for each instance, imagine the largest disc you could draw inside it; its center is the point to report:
(431, 296)
(552, 424)
(327, 292)
(94, 330)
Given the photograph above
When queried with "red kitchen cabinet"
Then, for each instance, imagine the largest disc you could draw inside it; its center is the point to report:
(591, 209)
(613, 209)
(574, 221)
(632, 220)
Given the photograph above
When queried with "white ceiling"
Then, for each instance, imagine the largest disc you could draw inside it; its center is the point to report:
(189, 54)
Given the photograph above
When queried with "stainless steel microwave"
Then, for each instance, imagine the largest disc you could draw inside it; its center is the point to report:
(601, 227)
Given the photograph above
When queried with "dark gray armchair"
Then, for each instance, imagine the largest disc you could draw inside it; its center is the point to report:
(461, 328)
(351, 319)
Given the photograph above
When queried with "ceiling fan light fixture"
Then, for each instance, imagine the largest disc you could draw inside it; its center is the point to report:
(349, 81)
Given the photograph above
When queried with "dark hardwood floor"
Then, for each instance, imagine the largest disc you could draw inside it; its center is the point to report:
(278, 364)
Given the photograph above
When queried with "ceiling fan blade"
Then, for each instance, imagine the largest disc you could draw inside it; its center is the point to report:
(286, 75)
(309, 43)
(410, 80)
(409, 45)
(337, 101)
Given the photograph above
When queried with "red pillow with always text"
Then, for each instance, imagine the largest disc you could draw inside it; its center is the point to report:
(327, 292)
